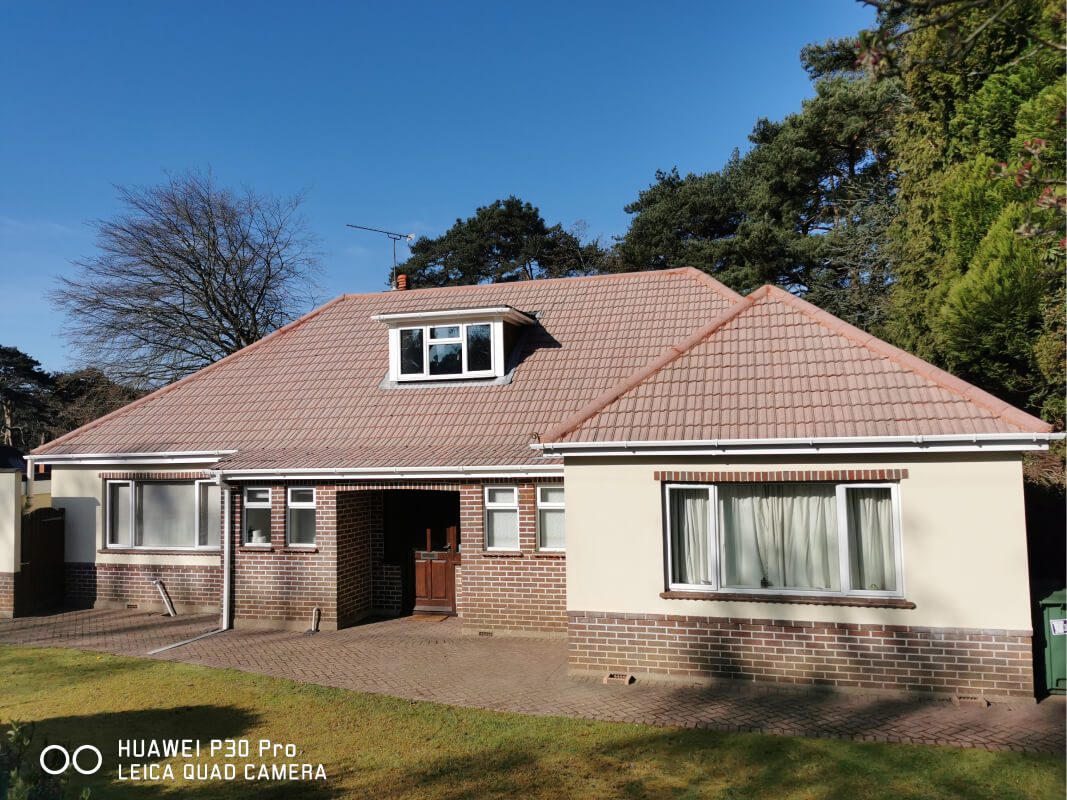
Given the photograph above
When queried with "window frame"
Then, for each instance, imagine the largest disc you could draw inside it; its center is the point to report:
(488, 506)
(198, 490)
(131, 544)
(313, 505)
(245, 505)
(496, 355)
(715, 551)
(548, 506)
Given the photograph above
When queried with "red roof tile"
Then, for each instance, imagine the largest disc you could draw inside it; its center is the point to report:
(776, 367)
(311, 395)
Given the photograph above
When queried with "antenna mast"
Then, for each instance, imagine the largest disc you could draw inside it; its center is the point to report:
(396, 237)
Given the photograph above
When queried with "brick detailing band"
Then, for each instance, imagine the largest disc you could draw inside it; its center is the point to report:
(787, 476)
(995, 663)
(155, 476)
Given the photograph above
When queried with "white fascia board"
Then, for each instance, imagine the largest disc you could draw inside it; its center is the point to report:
(506, 313)
(170, 457)
(962, 443)
(398, 473)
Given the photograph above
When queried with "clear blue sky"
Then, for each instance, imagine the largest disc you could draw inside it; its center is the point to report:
(396, 115)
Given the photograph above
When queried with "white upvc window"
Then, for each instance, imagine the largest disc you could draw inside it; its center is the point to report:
(447, 351)
(501, 518)
(162, 514)
(785, 538)
(300, 517)
(256, 508)
(551, 533)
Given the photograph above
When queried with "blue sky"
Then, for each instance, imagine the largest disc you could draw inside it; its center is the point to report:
(396, 115)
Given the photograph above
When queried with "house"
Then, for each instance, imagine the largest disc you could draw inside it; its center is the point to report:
(679, 479)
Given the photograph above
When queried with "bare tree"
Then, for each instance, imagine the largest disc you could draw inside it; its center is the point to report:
(188, 273)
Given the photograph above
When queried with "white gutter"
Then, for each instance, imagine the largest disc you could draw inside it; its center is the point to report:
(395, 473)
(506, 313)
(163, 457)
(959, 443)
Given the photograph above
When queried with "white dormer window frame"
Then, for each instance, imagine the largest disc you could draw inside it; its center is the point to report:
(448, 329)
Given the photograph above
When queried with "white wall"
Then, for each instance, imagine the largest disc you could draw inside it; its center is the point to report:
(10, 521)
(80, 490)
(963, 532)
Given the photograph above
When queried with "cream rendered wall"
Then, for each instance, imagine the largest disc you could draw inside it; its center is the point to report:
(963, 531)
(80, 490)
(10, 521)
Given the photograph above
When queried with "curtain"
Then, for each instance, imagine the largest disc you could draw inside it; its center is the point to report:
(165, 515)
(780, 536)
(689, 536)
(870, 539)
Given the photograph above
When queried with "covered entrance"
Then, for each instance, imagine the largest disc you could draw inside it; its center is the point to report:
(422, 535)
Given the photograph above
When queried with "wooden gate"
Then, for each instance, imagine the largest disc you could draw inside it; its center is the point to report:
(39, 584)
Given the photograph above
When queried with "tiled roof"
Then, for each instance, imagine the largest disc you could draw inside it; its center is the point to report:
(776, 367)
(311, 395)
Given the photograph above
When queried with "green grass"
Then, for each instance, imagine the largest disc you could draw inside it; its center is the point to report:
(381, 747)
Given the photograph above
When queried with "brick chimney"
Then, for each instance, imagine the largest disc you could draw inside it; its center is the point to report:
(401, 282)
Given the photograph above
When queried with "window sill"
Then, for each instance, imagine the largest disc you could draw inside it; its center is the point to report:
(166, 551)
(502, 554)
(257, 548)
(801, 599)
(549, 554)
(299, 548)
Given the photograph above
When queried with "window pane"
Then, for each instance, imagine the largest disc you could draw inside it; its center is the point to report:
(504, 495)
(165, 515)
(257, 496)
(689, 536)
(210, 515)
(551, 494)
(871, 548)
(301, 526)
(118, 504)
(502, 528)
(411, 352)
(302, 496)
(445, 332)
(780, 536)
(551, 528)
(479, 348)
(446, 359)
(257, 525)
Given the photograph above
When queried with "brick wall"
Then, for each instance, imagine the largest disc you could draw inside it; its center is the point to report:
(359, 523)
(277, 585)
(191, 587)
(7, 595)
(521, 591)
(995, 663)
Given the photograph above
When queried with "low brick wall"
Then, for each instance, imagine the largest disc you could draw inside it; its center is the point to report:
(7, 595)
(524, 591)
(994, 663)
(191, 588)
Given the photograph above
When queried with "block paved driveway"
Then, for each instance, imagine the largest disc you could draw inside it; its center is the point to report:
(428, 658)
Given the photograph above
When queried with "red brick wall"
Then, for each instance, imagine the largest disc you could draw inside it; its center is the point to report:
(280, 585)
(521, 591)
(359, 522)
(996, 663)
(7, 594)
(191, 587)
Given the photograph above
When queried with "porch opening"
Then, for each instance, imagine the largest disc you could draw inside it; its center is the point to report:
(422, 546)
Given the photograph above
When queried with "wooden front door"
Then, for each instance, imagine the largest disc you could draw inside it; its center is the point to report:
(435, 570)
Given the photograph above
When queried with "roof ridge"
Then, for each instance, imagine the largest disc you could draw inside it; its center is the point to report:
(670, 354)
(946, 380)
(708, 280)
(188, 378)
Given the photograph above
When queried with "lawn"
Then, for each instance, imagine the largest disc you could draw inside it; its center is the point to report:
(381, 747)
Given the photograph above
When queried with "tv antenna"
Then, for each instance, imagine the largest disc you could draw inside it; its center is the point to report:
(396, 237)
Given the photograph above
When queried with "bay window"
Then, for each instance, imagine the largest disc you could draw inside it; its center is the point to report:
(810, 538)
(162, 515)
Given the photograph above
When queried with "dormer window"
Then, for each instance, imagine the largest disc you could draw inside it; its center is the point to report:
(448, 345)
